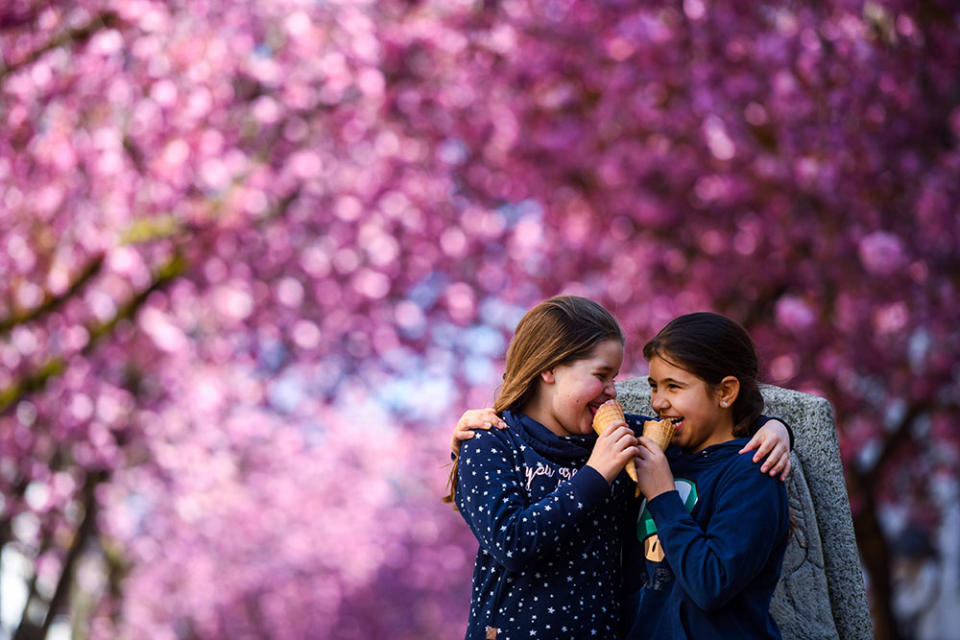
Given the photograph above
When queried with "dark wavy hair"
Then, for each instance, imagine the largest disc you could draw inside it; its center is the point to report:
(712, 347)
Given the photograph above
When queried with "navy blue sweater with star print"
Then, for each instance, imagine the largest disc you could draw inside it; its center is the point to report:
(706, 557)
(550, 531)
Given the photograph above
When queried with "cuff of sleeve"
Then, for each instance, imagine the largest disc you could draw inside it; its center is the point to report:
(590, 486)
(666, 506)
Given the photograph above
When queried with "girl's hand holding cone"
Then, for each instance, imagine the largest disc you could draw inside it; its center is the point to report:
(653, 469)
(614, 448)
(610, 416)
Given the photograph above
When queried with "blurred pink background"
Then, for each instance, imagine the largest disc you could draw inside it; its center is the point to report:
(258, 256)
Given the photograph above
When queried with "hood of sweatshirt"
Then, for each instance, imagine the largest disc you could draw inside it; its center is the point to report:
(547, 443)
(706, 456)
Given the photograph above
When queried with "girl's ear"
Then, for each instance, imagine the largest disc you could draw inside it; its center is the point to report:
(728, 390)
(548, 376)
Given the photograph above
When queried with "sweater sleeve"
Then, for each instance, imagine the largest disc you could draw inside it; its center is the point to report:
(492, 498)
(713, 564)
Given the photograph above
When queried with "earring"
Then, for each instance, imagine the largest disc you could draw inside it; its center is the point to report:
(723, 404)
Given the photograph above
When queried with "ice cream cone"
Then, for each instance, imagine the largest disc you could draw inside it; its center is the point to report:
(660, 431)
(609, 414)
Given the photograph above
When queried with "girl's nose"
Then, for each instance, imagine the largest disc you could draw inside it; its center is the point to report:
(611, 389)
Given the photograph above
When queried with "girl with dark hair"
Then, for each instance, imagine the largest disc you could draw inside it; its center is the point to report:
(712, 532)
(546, 498)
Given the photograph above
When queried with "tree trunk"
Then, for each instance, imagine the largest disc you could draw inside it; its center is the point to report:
(875, 553)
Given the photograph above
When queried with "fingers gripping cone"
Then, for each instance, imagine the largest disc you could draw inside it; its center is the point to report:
(609, 414)
(660, 431)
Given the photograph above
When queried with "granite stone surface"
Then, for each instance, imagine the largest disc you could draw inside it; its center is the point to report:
(821, 591)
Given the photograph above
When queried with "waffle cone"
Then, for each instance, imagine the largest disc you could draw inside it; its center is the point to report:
(660, 431)
(609, 414)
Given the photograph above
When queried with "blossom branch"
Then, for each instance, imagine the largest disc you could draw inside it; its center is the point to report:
(51, 302)
(105, 20)
(37, 379)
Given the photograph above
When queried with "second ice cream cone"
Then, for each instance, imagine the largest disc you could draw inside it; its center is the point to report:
(660, 431)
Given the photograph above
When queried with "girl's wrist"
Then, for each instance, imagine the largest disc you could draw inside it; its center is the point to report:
(658, 486)
(659, 490)
(602, 474)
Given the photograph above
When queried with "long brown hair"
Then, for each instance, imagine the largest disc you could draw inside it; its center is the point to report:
(557, 331)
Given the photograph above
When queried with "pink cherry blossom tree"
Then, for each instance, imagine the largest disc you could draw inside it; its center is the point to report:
(257, 256)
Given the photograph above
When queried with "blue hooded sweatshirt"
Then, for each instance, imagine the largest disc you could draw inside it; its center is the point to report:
(706, 557)
(550, 531)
